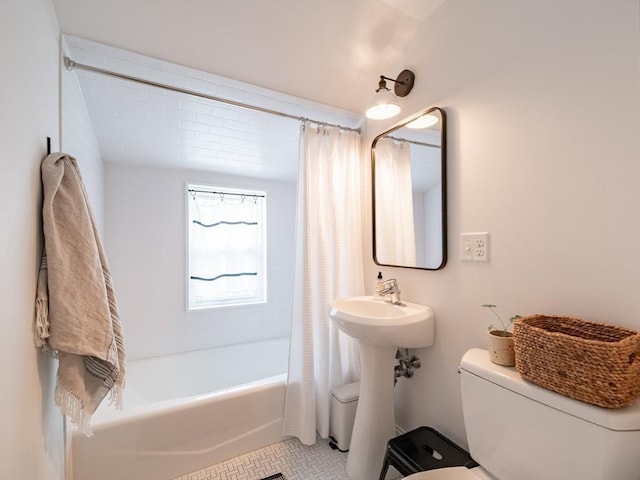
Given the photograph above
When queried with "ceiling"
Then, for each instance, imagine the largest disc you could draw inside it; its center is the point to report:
(314, 58)
(327, 51)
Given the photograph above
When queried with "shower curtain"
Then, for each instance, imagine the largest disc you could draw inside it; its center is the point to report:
(329, 264)
(395, 230)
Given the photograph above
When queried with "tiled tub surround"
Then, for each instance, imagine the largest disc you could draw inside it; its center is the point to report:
(188, 411)
(194, 131)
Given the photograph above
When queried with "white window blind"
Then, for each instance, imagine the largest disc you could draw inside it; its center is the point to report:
(227, 246)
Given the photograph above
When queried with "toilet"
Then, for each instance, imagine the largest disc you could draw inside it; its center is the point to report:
(517, 430)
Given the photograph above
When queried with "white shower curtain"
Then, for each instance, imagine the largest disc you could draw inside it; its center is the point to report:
(395, 230)
(329, 264)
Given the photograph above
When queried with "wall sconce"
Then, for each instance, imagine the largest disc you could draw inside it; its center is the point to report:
(384, 104)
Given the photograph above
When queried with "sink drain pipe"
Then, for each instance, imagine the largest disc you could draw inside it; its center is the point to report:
(406, 364)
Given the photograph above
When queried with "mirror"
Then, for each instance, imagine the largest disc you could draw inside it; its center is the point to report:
(408, 169)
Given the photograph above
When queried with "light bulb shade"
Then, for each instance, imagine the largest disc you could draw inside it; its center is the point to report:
(383, 105)
(423, 121)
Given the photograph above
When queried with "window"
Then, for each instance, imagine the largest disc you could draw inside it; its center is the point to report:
(227, 246)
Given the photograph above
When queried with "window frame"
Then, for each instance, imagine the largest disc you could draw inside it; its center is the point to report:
(261, 296)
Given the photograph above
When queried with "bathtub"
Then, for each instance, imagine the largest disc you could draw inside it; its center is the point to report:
(185, 412)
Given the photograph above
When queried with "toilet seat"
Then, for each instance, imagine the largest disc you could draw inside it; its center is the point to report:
(449, 473)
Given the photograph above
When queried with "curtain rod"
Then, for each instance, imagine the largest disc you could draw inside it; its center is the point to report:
(70, 65)
(193, 191)
(415, 142)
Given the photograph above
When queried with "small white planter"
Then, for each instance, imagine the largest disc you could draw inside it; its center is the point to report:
(500, 346)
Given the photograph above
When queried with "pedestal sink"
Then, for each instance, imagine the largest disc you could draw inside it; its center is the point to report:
(380, 329)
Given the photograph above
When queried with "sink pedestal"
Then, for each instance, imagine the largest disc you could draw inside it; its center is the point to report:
(375, 423)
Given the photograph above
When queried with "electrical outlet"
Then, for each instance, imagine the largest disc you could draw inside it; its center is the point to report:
(474, 247)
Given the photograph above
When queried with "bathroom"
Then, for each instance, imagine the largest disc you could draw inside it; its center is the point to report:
(543, 105)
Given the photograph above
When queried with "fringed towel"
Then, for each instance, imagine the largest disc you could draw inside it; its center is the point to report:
(76, 312)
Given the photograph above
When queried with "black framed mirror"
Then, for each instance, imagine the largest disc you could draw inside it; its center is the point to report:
(409, 194)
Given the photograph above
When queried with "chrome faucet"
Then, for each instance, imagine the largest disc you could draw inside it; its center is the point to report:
(390, 288)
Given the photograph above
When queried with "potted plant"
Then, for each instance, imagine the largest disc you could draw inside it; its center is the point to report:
(500, 341)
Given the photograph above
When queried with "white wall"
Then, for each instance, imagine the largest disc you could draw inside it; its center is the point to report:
(432, 206)
(146, 244)
(543, 103)
(31, 433)
(31, 444)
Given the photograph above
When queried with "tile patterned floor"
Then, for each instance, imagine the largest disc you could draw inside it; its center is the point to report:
(290, 457)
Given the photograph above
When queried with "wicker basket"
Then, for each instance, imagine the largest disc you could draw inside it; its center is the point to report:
(592, 362)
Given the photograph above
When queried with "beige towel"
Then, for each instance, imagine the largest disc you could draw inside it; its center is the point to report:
(76, 312)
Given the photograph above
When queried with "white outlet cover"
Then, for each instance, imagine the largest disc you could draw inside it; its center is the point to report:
(474, 247)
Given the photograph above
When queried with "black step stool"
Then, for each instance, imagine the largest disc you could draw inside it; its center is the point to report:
(423, 449)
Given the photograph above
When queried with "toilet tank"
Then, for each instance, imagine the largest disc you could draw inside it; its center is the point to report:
(517, 430)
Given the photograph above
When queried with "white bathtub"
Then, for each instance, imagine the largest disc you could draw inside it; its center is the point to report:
(188, 411)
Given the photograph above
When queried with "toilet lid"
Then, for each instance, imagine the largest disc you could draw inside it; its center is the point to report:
(449, 473)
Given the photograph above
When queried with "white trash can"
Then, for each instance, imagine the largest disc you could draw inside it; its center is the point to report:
(344, 402)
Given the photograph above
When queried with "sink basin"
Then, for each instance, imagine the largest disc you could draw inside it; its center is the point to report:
(376, 322)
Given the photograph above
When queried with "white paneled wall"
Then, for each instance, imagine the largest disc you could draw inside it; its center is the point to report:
(146, 237)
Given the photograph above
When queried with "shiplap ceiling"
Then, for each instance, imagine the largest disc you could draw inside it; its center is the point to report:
(142, 124)
(314, 58)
